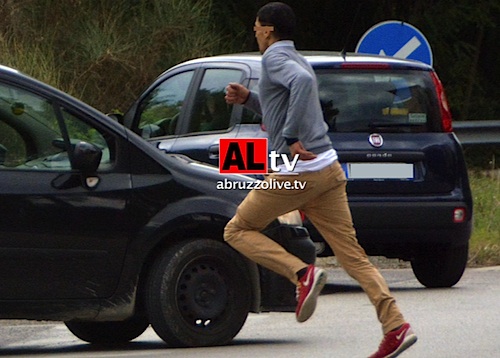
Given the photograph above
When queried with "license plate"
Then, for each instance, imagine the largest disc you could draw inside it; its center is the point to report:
(379, 171)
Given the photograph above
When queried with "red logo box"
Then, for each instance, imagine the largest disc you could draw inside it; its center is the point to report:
(243, 156)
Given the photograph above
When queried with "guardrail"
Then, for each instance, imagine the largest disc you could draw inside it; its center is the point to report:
(477, 132)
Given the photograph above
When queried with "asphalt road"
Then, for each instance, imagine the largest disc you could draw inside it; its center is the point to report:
(463, 321)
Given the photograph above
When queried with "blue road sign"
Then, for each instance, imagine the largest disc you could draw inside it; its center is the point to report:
(397, 39)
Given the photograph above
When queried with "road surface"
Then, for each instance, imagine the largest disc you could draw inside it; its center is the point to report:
(463, 321)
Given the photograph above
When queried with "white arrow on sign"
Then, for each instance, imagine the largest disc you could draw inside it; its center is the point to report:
(407, 49)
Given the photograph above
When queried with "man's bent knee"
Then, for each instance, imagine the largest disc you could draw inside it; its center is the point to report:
(231, 231)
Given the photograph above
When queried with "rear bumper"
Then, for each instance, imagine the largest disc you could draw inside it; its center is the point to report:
(408, 214)
(401, 229)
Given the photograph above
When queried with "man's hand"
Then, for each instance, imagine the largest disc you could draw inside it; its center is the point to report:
(304, 154)
(236, 93)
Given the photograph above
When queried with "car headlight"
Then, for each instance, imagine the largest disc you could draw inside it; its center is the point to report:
(291, 218)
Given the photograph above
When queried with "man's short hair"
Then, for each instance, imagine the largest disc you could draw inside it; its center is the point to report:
(279, 15)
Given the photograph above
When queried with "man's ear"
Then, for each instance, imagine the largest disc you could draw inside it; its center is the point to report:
(271, 35)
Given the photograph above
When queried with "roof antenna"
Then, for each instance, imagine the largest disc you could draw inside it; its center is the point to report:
(343, 52)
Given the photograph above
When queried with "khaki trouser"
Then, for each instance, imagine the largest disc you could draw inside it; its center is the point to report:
(324, 201)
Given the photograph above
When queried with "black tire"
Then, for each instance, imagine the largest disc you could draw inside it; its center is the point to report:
(108, 332)
(198, 294)
(442, 267)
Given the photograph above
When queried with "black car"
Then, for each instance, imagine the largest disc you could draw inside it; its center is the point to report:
(103, 231)
(388, 120)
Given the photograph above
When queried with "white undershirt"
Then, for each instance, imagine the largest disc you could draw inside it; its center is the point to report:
(321, 161)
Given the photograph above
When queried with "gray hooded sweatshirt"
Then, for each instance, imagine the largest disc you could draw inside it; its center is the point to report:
(288, 100)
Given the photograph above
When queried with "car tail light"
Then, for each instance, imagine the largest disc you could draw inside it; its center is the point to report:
(443, 104)
(459, 215)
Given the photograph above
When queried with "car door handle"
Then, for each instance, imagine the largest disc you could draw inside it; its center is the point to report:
(213, 152)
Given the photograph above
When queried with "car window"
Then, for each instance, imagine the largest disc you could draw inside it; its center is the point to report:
(210, 112)
(159, 111)
(31, 136)
(382, 101)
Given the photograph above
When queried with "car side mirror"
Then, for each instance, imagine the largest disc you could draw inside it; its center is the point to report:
(86, 158)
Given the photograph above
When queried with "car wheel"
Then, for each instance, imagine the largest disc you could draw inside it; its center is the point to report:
(442, 267)
(198, 294)
(108, 332)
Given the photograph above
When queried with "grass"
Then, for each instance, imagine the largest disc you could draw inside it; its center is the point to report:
(105, 52)
(485, 241)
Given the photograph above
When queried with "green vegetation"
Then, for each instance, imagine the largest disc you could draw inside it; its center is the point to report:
(104, 51)
(485, 242)
(484, 176)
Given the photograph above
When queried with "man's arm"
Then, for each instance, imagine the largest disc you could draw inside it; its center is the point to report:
(238, 94)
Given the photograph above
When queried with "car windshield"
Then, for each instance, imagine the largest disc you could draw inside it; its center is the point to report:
(378, 100)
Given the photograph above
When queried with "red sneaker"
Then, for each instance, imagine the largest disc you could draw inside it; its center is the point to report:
(308, 290)
(395, 342)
